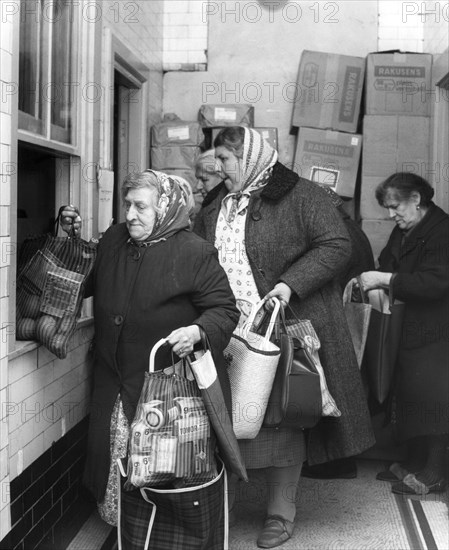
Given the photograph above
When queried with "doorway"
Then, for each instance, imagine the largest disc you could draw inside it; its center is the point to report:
(125, 93)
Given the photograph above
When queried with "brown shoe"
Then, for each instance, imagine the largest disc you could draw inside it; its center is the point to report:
(276, 530)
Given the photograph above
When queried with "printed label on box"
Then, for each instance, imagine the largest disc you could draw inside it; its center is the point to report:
(181, 132)
(351, 87)
(225, 114)
(328, 149)
(325, 176)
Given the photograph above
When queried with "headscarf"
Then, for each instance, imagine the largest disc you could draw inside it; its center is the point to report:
(257, 163)
(172, 212)
(187, 193)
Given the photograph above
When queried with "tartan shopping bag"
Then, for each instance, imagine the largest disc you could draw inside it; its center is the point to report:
(189, 518)
(50, 288)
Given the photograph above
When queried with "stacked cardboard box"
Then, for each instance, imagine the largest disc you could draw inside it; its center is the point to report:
(396, 130)
(326, 111)
(175, 146)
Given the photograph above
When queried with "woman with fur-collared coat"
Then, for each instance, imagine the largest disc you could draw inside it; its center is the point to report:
(288, 240)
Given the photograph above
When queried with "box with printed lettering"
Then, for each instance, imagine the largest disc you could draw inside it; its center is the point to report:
(329, 158)
(398, 84)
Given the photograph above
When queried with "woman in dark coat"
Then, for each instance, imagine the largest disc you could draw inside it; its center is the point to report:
(287, 239)
(152, 279)
(415, 266)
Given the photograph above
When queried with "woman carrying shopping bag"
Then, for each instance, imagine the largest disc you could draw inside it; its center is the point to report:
(279, 235)
(152, 279)
(414, 266)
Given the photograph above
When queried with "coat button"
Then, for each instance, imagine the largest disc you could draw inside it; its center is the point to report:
(256, 216)
(118, 319)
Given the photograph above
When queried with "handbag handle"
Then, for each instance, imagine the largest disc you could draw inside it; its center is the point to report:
(252, 316)
(153, 352)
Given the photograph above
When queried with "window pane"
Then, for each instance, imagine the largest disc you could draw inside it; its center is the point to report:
(61, 70)
(31, 63)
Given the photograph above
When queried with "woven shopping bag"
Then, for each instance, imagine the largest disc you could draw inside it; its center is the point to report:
(358, 313)
(188, 518)
(50, 289)
(171, 440)
(252, 362)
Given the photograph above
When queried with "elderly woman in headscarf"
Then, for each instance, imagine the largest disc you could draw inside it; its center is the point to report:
(152, 279)
(279, 235)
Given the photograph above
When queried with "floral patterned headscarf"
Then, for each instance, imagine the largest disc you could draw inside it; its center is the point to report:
(172, 210)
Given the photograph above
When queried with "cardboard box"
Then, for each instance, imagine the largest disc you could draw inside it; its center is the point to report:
(270, 135)
(329, 91)
(226, 115)
(378, 233)
(176, 132)
(166, 158)
(391, 144)
(398, 84)
(329, 157)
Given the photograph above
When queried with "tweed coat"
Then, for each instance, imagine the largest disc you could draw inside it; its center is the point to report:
(141, 294)
(294, 234)
(420, 265)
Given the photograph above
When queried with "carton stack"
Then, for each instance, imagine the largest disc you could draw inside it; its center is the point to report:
(326, 112)
(175, 146)
(396, 130)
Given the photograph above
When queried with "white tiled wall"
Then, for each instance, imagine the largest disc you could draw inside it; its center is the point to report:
(5, 250)
(400, 26)
(185, 35)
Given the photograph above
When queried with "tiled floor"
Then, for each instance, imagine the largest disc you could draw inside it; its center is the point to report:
(351, 514)
(357, 514)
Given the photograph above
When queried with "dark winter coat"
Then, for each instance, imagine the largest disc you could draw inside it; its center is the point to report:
(141, 294)
(420, 265)
(294, 234)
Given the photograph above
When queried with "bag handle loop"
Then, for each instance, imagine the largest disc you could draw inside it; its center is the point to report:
(153, 352)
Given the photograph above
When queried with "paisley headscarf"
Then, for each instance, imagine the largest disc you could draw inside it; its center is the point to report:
(172, 213)
(257, 163)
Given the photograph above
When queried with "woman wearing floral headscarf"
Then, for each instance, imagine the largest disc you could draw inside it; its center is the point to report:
(152, 279)
(280, 235)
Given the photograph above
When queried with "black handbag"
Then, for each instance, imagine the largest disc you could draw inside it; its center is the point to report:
(295, 399)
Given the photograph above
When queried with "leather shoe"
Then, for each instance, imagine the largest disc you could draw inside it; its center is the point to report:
(276, 530)
(412, 486)
(394, 473)
(342, 468)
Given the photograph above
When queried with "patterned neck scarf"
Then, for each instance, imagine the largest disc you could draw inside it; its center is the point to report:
(257, 163)
(172, 211)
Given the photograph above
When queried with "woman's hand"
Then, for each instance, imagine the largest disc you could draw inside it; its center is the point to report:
(183, 339)
(71, 220)
(282, 292)
(375, 279)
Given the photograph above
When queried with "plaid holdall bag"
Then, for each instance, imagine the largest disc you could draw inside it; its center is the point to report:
(189, 518)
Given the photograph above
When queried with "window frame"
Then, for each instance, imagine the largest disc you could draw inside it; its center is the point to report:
(27, 122)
